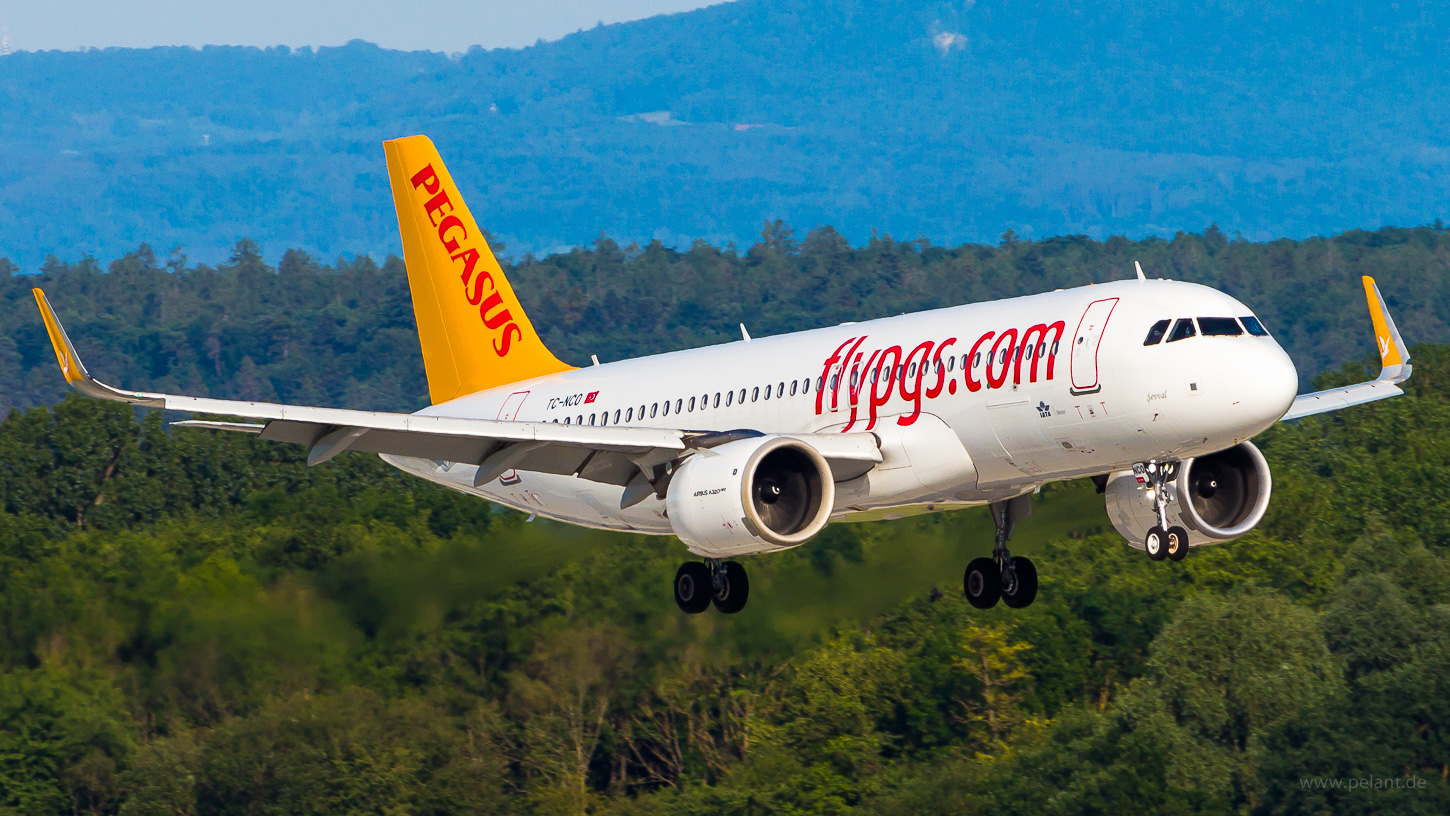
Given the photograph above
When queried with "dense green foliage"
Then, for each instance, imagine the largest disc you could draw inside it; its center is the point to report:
(196, 623)
(953, 119)
(344, 335)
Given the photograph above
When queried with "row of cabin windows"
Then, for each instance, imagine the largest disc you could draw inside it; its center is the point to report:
(1183, 328)
(705, 402)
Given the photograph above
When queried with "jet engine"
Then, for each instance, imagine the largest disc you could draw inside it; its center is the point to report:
(750, 495)
(1217, 497)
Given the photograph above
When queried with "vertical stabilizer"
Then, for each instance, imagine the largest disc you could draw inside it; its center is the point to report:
(474, 332)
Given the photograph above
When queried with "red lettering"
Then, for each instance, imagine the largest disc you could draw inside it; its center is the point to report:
(855, 388)
(436, 205)
(470, 260)
(836, 379)
(826, 375)
(1041, 331)
(881, 388)
(941, 372)
(426, 178)
(914, 394)
(1004, 360)
(477, 294)
(513, 329)
(972, 384)
(494, 301)
(448, 223)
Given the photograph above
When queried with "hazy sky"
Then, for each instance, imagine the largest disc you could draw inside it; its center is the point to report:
(441, 25)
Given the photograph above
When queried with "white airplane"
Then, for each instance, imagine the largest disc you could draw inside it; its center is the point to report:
(1151, 388)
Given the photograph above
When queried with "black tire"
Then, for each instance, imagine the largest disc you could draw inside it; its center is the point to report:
(692, 587)
(1023, 590)
(1156, 543)
(982, 583)
(1177, 543)
(734, 588)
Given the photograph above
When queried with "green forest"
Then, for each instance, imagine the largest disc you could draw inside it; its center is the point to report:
(198, 623)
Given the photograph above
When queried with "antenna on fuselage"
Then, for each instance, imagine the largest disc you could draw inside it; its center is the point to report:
(1139, 267)
(744, 335)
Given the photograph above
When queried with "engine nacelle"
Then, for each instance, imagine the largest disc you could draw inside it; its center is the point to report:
(1217, 497)
(751, 495)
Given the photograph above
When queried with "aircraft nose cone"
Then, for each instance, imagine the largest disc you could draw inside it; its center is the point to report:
(1276, 385)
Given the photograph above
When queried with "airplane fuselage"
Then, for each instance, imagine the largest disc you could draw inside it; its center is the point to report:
(971, 404)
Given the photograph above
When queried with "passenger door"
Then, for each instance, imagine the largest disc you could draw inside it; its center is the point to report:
(1083, 361)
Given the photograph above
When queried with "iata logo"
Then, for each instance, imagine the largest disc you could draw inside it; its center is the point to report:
(480, 289)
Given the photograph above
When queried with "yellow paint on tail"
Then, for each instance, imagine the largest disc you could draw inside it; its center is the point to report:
(1385, 335)
(474, 331)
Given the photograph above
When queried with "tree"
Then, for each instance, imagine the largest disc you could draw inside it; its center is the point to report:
(995, 663)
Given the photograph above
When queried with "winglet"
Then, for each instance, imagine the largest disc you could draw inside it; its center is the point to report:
(65, 353)
(75, 371)
(1394, 356)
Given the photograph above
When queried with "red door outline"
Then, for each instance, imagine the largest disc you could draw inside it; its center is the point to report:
(1089, 336)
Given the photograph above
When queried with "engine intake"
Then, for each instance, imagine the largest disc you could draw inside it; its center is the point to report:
(752, 495)
(1217, 497)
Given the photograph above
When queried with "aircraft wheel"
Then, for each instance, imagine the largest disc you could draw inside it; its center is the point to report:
(1177, 543)
(1022, 589)
(692, 587)
(732, 588)
(982, 583)
(1156, 543)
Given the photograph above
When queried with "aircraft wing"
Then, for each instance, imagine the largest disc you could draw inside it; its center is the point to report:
(1394, 361)
(612, 454)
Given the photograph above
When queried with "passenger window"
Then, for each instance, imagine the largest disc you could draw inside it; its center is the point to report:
(654, 409)
(951, 363)
(1156, 333)
(1041, 350)
(1254, 327)
(729, 398)
(679, 403)
(976, 359)
(779, 390)
(911, 372)
(692, 403)
(835, 381)
(641, 412)
(1219, 327)
(717, 399)
(629, 415)
(755, 394)
(579, 420)
(1054, 348)
(616, 416)
(592, 418)
(666, 411)
(806, 385)
(566, 420)
(1182, 330)
(793, 387)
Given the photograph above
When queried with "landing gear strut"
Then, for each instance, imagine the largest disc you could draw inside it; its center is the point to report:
(1162, 541)
(699, 584)
(1009, 578)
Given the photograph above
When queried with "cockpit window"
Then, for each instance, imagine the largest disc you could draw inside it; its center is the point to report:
(1182, 330)
(1254, 326)
(1219, 327)
(1156, 333)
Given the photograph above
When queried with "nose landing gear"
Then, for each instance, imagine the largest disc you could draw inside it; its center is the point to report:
(699, 584)
(1012, 579)
(1162, 541)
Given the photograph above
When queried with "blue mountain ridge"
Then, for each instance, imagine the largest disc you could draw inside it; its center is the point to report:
(954, 121)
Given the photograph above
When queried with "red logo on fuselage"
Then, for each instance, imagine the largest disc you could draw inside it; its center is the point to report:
(481, 289)
(921, 373)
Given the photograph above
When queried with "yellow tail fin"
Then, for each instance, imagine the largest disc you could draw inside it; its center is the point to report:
(474, 332)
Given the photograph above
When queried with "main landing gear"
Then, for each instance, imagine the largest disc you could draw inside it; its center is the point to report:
(1009, 578)
(1162, 541)
(698, 584)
